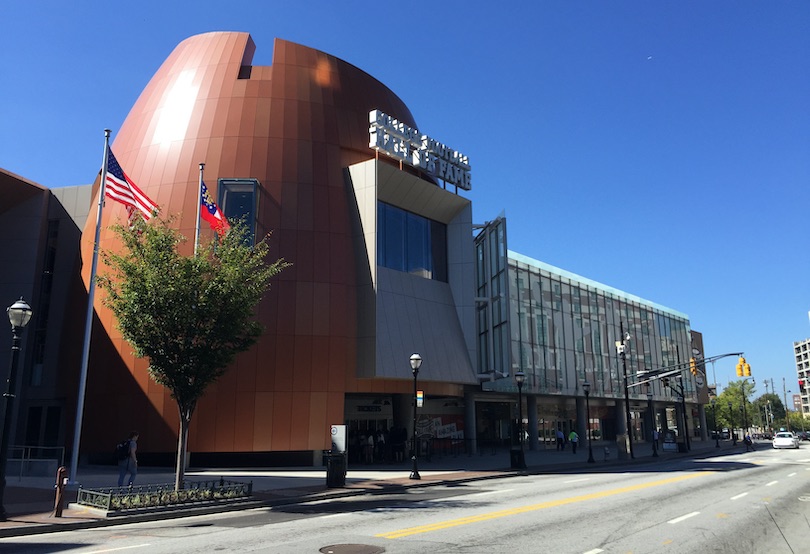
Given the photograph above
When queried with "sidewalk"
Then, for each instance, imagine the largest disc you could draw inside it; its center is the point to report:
(29, 501)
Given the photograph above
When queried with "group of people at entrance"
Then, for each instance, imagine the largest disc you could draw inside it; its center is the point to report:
(573, 438)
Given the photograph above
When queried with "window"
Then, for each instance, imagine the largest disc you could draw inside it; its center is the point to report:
(411, 243)
(237, 200)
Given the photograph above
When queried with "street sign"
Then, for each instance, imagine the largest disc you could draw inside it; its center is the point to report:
(420, 398)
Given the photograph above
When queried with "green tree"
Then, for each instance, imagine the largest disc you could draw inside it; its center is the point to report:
(189, 315)
(771, 405)
(798, 422)
(730, 405)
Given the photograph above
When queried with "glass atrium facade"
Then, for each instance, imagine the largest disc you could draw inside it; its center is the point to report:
(560, 329)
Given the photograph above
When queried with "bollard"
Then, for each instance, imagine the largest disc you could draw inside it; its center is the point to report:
(61, 483)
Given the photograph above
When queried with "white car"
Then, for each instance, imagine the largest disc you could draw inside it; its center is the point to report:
(785, 440)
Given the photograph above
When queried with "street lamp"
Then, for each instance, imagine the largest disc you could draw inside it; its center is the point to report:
(586, 386)
(714, 423)
(744, 415)
(621, 346)
(731, 422)
(652, 419)
(416, 363)
(520, 462)
(19, 314)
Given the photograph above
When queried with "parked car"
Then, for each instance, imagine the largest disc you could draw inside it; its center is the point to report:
(785, 439)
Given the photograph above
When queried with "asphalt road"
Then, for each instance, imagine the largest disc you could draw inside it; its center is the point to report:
(746, 502)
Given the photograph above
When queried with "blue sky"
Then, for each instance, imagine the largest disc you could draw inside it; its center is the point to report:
(661, 148)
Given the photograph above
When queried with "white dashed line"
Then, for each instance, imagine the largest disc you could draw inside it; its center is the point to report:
(680, 519)
(771, 483)
(792, 474)
(488, 492)
(739, 496)
(117, 549)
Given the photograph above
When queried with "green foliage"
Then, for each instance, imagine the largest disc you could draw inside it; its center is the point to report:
(729, 408)
(190, 315)
(729, 404)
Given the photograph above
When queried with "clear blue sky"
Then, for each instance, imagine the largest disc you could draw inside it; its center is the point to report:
(662, 148)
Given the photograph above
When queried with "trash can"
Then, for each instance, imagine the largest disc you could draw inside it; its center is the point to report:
(623, 446)
(335, 469)
(517, 458)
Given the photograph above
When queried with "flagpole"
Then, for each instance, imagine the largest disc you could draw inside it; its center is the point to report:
(199, 202)
(88, 325)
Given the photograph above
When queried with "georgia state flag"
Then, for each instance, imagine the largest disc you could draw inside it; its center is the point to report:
(211, 212)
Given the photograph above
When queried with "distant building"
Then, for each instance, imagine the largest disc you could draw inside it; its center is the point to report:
(801, 351)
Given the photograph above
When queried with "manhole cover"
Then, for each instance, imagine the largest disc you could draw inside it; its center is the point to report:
(352, 549)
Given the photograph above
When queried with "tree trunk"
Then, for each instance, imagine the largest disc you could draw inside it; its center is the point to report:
(182, 441)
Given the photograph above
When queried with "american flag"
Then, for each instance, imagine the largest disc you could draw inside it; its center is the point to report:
(120, 188)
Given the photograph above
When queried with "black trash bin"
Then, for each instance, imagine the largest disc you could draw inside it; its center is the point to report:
(517, 458)
(335, 469)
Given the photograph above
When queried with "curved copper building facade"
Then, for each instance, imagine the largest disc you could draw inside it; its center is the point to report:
(295, 126)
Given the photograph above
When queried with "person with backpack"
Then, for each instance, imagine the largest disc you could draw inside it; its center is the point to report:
(127, 459)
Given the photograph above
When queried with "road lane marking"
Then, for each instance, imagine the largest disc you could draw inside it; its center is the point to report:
(771, 483)
(439, 525)
(683, 517)
(480, 494)
(792, 474)
(594, 551)
(119, 548)
(577, 480)
(739, 496)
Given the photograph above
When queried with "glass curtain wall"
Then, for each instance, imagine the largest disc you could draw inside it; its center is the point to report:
(565, 329)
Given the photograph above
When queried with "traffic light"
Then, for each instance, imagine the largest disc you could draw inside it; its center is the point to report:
(665, 380)
(801, 385)
(693, 366)
(746, 368)
(740, 364)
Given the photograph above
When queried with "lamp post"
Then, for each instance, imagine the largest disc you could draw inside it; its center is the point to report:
(652, 420)
(731, 422)
(621, 346)
(416, 363)
(520, 461)
(586, 386)
(714, 423)
(19, 314)
(744, 395)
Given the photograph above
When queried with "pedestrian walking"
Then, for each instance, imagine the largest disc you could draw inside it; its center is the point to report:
(128, 459)
(573, 438)
(560, 440)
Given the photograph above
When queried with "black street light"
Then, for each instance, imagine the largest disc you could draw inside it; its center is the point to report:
(19, 314)
(621, 346)
(714, 423)
(652, 420)
(416, 363)
(586, 386)
(744, 395)
(519, 462)
(733, 432)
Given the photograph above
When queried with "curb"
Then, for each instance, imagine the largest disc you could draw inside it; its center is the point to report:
(100, 518)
